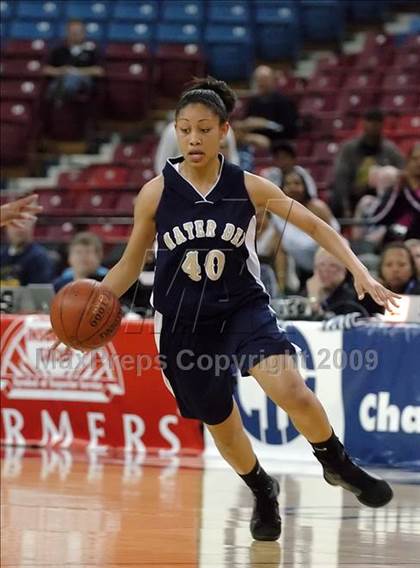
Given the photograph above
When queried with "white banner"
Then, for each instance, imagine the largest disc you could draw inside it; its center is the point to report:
(272, 433)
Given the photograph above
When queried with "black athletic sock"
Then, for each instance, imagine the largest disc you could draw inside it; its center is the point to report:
(258, 480)
(331, 448)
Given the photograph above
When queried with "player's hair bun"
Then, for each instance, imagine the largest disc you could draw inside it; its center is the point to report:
(219, 87)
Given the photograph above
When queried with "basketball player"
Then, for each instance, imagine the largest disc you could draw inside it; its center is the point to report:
(210, 302)
(19, 210)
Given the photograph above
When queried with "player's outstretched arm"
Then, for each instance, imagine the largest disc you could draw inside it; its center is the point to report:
(127, 270)
(20, 210)
(263, 193)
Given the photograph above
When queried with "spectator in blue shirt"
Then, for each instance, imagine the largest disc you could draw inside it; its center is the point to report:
(22, 261)
(84, 258)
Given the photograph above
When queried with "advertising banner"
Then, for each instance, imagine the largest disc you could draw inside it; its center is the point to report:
(382, 395)
(113, 397)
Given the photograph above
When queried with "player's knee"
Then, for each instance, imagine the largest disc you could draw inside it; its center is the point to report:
(298, 399)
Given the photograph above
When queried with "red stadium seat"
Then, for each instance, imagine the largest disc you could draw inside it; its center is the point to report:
(337, 127)
(96, 203)
(133, 154)
(324, 151)
(54, 233)
(375, 41)
(140, 176)
(303, 146)
(409, 125)
(407, 61)
(111, 233)
(324, 83)
(400, 103)
(317, 105)
(127, 90)
(15, 112)
(56, 202)
(380, 58)
(364, 80)
(125, 203)
(21, 69)
(73, 180)
(178, 64)
(355, 103)
(404, 81)
(127, 52)
(26, 49)
(20, 90)
(333, 64)
(107, 177)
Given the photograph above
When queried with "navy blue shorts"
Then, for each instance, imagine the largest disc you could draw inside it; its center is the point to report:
(200, 365)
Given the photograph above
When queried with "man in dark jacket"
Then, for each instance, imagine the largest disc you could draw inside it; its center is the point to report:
(355, 159)
(22, 261)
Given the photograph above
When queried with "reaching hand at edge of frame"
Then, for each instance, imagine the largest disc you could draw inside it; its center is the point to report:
(15, 212)
(364, 283)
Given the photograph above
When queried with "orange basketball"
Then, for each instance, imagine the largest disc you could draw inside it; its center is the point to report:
(85, 314)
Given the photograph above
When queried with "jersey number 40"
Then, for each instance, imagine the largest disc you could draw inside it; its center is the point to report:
(214, 264)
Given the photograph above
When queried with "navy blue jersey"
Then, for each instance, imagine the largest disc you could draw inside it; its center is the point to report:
(206, 264)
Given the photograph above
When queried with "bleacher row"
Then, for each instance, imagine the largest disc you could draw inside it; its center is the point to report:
(330, 103)
(231, 33)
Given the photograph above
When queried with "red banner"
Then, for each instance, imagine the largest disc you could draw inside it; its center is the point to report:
(113, 397)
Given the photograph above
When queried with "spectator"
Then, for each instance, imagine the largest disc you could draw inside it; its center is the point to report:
(413, 246)
(329, 289)
(73, 67)
(22, 261)
(85, 256)
(284, 155)
(269, 112)
(168, 147)
(295, 243)
(395, 211)
(354, 160)
(397, 269)
(19, 210)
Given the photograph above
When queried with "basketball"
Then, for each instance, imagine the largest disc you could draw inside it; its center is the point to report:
(85, 314)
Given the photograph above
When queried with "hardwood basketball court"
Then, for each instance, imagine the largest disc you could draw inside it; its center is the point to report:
(61, 509)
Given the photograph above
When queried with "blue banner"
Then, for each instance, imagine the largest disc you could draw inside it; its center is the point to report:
(381, 394)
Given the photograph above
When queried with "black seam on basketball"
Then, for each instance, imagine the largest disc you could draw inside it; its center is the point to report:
(61, 314)
(97, 331)
(96, 284)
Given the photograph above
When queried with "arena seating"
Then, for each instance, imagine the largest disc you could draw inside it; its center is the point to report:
(151, 48)
(273, 27)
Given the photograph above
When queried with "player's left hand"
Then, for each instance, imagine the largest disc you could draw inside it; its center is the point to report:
(366, 284)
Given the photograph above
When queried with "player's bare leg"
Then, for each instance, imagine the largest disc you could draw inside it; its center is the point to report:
(234, 445)
(282, 382)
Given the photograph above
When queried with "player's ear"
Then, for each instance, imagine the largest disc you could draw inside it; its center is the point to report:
(224, 129)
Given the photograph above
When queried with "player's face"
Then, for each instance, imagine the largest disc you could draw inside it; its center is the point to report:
(84, 260)
(199, 134)
(330, 271)
(396, 268)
